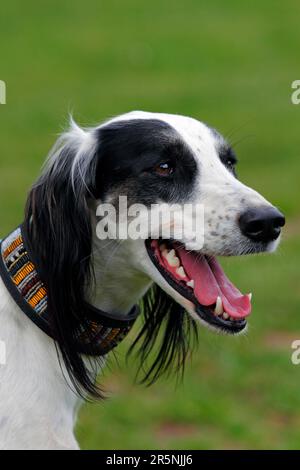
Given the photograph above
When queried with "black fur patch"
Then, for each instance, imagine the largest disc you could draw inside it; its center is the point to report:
(228, 158)
(58, 225)
(129, 151)
(225, 152)
(165, 339)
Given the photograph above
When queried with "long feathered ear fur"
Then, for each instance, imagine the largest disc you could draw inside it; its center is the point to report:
(168, 330)
(58, 227)
(59, 232)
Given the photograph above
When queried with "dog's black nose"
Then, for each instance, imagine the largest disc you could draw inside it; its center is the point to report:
(262, 224)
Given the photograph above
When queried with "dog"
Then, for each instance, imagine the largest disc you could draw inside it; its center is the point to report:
(61, 285)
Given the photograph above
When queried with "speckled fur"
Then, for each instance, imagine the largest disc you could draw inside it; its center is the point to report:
(37, 407)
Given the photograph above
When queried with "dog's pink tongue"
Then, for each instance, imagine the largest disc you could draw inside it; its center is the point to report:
(211, 281)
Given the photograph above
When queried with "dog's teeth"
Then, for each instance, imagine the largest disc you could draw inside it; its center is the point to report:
(174, 262)
(219, 306)
(249, 296)
(181, 272)
(191, 283)
(172, 259)
(225, 316)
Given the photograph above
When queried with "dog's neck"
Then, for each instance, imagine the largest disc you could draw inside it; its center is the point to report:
(117, 285)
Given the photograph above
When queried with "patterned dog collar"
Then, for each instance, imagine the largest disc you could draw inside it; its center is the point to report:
(21, 278)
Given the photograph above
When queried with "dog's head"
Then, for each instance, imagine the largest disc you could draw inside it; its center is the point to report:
(151, 159)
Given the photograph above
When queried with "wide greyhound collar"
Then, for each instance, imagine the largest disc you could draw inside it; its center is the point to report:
(18, 271)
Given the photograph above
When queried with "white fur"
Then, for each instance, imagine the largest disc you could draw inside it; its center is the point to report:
(37, 406)
(221, 194)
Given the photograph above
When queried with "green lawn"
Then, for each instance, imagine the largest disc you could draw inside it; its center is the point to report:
(230, 64)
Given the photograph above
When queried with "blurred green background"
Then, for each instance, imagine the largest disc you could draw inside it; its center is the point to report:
(230, 64)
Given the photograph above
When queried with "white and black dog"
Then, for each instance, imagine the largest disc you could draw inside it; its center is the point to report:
(149, 158)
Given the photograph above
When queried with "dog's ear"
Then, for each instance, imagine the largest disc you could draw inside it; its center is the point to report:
(58, 226)
(165, 339)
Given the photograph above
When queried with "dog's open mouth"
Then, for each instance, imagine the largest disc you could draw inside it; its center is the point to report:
(201, 280)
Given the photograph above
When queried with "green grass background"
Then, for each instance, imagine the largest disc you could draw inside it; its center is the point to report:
(230, 64)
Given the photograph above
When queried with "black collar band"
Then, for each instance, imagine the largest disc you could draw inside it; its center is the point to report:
(18, 271)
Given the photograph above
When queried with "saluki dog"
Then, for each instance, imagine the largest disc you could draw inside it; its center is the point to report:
(69, 296)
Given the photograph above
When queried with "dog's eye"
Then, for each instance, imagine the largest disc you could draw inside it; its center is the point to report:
(230, 164)
(164, 169)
